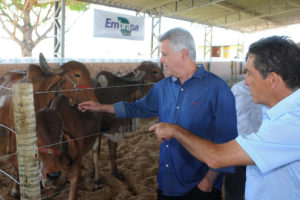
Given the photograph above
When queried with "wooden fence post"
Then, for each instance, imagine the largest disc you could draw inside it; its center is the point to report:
(25, 126)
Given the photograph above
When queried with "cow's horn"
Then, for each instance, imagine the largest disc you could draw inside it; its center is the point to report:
(46, 68)
(138, 76)
(102, 80)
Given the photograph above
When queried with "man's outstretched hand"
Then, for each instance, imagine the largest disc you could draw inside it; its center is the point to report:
(163, 131)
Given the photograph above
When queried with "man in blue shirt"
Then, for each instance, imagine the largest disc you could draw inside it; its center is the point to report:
(193, 98)
(272, 154)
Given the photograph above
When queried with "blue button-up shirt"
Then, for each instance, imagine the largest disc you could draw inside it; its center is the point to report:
(205, 106)
(275, 149)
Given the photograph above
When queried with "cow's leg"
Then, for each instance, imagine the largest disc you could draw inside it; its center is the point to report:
(135, 124)
(15, 191)
(95, 153)
(74, 178)
(113, 157)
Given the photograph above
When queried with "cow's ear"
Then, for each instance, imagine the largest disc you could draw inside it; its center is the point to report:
(102, 80)
(73, 148)
(135, 95)
(34, 73)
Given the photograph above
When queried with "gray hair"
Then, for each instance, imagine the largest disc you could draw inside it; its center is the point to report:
(180, 39)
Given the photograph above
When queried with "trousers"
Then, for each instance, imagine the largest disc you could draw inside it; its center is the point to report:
(194, 194)
(235, 184)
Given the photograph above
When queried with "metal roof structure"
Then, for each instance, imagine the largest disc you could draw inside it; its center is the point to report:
(241, 15)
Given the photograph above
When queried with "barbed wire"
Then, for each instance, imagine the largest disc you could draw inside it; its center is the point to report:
(6, 88)
(9, 95)
(86, 182)
(92, 88)
(10, 176)
(95, 88)
(1, 125)
(84, 137)
(65, 189)
(83, 183)
(5, 173)
(74, 139)
(79, 138)
(8, 155)
(104, 133)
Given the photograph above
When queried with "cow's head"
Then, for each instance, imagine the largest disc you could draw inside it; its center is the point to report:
(72, 79)
(152, 74)
(77, 76)
(57, 151)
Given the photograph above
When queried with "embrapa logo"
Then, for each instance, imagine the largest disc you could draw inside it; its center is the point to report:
(123, 24)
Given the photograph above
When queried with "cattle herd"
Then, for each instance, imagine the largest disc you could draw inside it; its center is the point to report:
(59, 124)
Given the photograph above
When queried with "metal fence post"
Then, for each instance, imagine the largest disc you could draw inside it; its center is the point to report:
(25, 126)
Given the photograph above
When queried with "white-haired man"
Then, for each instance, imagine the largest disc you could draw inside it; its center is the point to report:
(193, 98)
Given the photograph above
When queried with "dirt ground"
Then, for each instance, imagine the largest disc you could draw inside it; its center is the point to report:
(138, 155)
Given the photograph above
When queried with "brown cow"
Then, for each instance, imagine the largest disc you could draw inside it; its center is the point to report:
(60, 124)
(145, 74)
(72, 75)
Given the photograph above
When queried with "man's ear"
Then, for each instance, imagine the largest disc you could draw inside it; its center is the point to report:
(185, 53)
(274, 80)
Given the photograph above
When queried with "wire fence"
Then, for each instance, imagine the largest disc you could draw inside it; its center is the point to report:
(107, 134)
(229, 80)
(96, 88)
(64, 190)
(68, 188)
(104, 133)
(5, 88)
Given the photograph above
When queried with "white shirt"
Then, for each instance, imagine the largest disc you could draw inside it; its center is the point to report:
(248, 113)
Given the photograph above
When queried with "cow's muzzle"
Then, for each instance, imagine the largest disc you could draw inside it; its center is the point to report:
(53, 176)
(52, 181)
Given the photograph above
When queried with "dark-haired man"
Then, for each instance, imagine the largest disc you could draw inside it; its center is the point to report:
(272, 154)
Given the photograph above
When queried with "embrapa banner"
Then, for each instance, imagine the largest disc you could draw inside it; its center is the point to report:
(115, 25)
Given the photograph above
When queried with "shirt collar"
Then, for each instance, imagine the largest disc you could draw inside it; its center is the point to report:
(285, 105)
(197, 74)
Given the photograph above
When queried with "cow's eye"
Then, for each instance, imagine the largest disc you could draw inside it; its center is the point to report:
(77, 75)
(154, 72)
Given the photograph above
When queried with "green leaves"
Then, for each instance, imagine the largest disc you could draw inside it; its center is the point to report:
(77, 6)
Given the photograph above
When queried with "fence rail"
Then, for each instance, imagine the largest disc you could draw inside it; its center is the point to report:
(230, 81)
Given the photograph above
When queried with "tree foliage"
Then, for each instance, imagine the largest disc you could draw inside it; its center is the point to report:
(27, 22)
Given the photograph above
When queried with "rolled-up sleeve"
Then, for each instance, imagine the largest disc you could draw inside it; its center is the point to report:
(120, 109)
(143, 108)
(267, 155)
